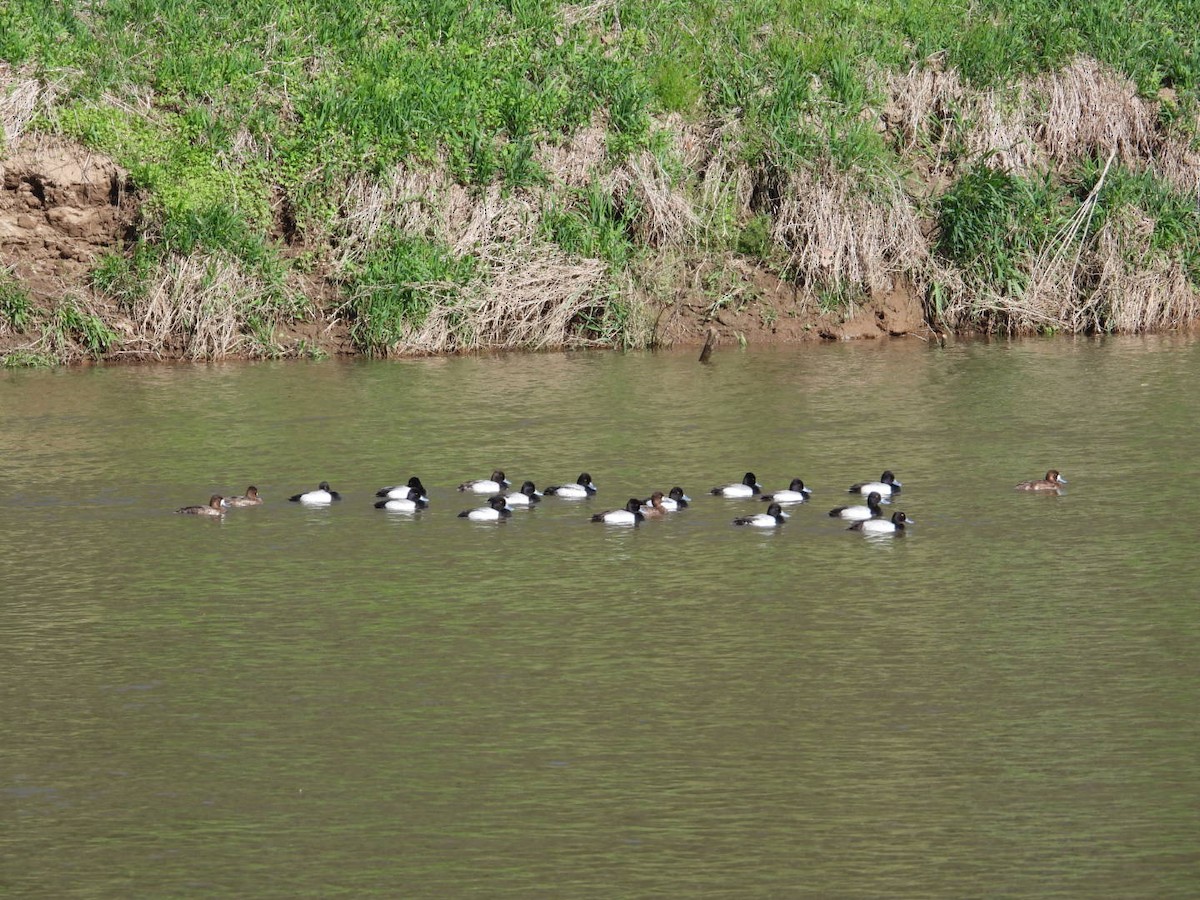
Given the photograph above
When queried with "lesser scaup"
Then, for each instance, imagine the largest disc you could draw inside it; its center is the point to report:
(886, 485)
(893, 525)
(215, 507)
(321, 495)
(748, 487)
(1052, 482)
(676, 499)
(796, 493)
(580, 490)
(492, 485)
(654, 508)
(772, 517)
(630, 515)
(401, 491)
(250, 498)
(860, 513)
(496, 510)
(526, 496)
(414, 501)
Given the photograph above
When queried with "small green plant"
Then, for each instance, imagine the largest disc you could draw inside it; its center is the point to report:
(754, 239)
(90, 330)
(126, 277)
(394, 289)
(15, 304)
(28, 359)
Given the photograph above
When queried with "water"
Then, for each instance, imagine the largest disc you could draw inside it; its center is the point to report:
(311, 702)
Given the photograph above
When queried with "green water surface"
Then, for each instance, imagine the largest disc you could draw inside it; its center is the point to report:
(346, 702)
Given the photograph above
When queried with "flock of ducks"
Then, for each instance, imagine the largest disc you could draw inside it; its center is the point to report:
(868, 518)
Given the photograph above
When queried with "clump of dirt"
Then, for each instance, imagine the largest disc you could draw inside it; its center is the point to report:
(756, 306)
(60, 208)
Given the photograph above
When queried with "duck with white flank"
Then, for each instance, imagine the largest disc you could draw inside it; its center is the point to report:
(413, 502)
(583, 488)
(631, 515)
(527, 496)
(860, 513)
(320, 497)
(496, 510)
(885, 486)
(772, 517)
(493, 485)
(401, 491)
(894, 525)
(748, 487)
(796, 493)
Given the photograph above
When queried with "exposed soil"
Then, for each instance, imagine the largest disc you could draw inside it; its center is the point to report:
(62, 207)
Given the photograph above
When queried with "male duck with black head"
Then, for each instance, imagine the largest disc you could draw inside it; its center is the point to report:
(493, 485)
(497, 510)
(631, 515)
(320, 497)
(747, 487)
(583, 488)
(885, 486)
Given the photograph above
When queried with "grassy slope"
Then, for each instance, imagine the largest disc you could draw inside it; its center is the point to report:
(281, 138)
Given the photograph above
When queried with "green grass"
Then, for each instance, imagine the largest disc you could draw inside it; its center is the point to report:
(241, 121)
(390, 290)
(16, 308)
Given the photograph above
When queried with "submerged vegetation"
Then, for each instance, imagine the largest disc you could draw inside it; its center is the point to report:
(458, 174)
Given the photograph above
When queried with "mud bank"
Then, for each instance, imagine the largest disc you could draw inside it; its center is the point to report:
(63, 209)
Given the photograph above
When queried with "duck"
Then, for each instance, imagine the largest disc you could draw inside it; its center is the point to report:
(215, 507)
(401, 491)
(496, 510)
(796, 493)
(894, 525)
(748, 487)
(411, 503)
(493, 485)
(772, 517)
(1052, 482)
(675, 500)
(886, 485)
(322, 495)
(583, 488)
(250, 498)
(860, 513)
(654, 508)
(631, 515)
(526, 496)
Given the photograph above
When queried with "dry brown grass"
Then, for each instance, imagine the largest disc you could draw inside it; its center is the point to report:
(1089, 111)
(1178, 163)
(1136, 288)
(578, 161)
(930, 109)
(530, 300)
(21, 97)
(837, 234)
(664, 216)
(195, 309)
(727, 186)
(921, 103)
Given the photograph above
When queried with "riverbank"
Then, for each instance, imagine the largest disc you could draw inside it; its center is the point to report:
(589, 177)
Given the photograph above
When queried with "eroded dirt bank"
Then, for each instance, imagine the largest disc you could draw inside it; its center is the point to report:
(62, 209)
